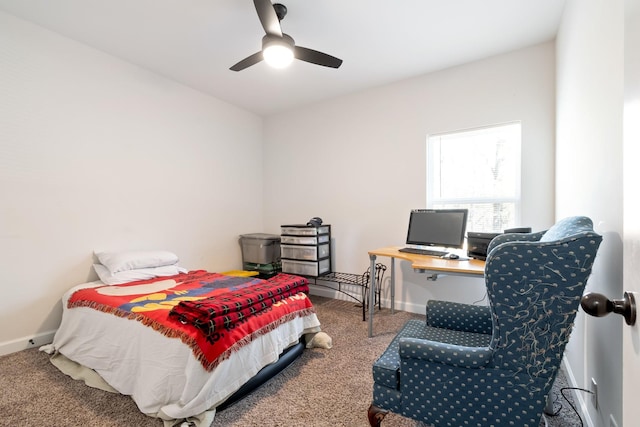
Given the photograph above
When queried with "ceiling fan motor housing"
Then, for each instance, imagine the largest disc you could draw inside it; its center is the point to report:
(269, 40)
(281, 10)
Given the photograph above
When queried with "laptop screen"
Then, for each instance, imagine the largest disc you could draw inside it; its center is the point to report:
(437, 227)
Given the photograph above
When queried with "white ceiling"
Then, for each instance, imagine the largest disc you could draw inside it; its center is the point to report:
(196, 41)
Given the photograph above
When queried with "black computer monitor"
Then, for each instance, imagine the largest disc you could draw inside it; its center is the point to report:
(437, 227)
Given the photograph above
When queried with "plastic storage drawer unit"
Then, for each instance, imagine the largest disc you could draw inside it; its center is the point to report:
(306, 249)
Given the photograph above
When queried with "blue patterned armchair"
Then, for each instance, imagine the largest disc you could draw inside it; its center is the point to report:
(470, 365)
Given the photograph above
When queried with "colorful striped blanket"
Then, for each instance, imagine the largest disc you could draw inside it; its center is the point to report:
(218, 314)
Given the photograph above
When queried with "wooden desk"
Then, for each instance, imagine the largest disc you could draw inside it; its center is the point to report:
(434, 266)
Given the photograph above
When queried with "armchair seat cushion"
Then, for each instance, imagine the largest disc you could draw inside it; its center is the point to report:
(386, 370)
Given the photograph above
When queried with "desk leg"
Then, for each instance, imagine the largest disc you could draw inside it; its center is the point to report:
(372, 293)
(393, 285)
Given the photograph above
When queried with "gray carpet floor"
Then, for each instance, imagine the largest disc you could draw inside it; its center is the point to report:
(321, 388)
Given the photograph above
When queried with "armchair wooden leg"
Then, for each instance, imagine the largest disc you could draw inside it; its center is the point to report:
(376, 415)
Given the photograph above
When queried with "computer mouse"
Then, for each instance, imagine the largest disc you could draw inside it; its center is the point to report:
(453, 256)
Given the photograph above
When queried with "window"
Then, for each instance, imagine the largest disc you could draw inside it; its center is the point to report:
(477, 169)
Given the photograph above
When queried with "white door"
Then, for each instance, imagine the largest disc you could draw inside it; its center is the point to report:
(631, 216)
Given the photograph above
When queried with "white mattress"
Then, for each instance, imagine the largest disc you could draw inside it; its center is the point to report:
(160, 373)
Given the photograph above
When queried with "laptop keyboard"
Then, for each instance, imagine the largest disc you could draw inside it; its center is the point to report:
(429, 252)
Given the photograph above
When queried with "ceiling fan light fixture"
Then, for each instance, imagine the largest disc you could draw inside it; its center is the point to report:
(279, 49)
(277, 53)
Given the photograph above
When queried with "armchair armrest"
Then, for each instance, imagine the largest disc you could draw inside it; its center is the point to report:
(459, 317)
(448, 354)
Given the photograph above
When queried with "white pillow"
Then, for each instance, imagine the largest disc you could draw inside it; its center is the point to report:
(138, 274)
(132, 260)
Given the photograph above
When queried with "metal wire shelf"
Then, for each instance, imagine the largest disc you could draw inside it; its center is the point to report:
(336, 281)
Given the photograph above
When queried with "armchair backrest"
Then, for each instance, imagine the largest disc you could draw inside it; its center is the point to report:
(535, 283)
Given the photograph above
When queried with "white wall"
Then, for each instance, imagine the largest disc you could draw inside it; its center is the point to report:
(589, 180)
(358, 161)
(631, 202)
(96, 153)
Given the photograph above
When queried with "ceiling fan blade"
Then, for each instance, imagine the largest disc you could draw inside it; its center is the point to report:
(268, 17)
(247, 62)
(315, 57)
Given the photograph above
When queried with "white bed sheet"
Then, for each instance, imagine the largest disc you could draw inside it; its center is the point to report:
(160, 373)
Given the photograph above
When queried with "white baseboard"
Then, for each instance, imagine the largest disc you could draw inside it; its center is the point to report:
(327, 293)
(409, 307)
(579, 398)
(386, 303)
(27, 342)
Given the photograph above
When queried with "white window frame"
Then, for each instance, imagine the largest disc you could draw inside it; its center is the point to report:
(435, 201)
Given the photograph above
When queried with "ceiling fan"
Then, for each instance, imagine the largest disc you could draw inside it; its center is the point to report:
(278, 48)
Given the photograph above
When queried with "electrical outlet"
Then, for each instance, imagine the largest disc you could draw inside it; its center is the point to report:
(594, 391)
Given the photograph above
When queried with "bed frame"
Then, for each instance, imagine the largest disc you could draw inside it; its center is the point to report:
(265, 374)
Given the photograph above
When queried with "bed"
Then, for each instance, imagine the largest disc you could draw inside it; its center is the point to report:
(132, 338)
